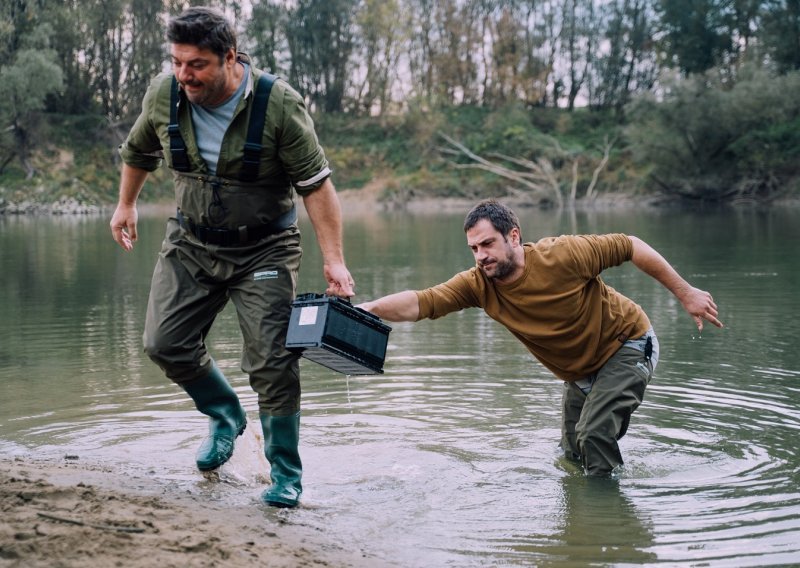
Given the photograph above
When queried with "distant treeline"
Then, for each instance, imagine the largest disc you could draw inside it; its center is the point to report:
(702, 94)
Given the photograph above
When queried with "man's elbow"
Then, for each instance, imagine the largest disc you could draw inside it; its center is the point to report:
(638, 248)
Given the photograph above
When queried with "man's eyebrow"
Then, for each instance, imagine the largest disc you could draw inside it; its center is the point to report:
(190, 61)
(485, 241)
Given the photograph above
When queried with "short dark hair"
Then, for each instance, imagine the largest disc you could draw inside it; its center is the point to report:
(203, 27)
(502, 218)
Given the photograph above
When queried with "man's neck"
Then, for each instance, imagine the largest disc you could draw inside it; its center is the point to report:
(233, 81)
(519, 267)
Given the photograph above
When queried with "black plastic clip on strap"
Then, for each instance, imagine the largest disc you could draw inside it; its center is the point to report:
(648, 348)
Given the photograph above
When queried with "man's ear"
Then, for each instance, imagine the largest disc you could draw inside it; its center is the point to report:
(514, 237)
(230, 57)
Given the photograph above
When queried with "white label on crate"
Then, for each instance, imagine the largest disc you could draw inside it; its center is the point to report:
(308, 315)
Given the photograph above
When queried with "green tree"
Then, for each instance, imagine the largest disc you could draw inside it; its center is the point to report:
(781, 33)
(108, 51)
(265, 37)
(514, 67)
(32, 75)
(144, 53)
(696, 33)
(12, 26)
(444, 40)
(578, 40)
(380, 35)
(716, 140)
(320, 37)
(628, 65)
(71, 43)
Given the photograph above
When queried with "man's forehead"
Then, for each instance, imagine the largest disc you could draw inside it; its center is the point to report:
(481, 232)
(189, 52)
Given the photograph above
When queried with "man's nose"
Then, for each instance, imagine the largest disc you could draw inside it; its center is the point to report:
(182, 73)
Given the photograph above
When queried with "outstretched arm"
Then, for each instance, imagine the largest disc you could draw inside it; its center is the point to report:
(698, 303)
(325, 213)
(402, 306)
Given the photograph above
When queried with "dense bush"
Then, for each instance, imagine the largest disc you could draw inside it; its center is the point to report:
(718, 138)
(707, 138)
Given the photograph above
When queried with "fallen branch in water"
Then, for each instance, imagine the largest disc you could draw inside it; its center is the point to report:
(539, 175)
(607, 145)
(91, 525)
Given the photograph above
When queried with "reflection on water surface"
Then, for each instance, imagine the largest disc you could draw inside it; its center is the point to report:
(449, 458)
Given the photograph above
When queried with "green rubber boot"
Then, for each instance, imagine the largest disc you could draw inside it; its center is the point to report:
(215, 398)
(281, 437)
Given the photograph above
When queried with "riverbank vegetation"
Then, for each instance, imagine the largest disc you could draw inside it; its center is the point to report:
(552, 102)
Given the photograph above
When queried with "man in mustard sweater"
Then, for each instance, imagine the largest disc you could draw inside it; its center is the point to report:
(550, 296)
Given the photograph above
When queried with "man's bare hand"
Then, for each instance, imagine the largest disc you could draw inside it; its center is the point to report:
(123, 225)
(700, 306)
(340, 283)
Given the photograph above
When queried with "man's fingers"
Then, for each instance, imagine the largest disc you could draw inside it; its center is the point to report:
(123, 226)
(336, 289)
(701, 306)
(709, 317)
(711, 312)
(122, 238)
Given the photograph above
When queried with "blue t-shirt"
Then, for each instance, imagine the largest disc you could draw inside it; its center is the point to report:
(211, 122)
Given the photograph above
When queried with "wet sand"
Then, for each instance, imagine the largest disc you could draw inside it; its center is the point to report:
(66, 513)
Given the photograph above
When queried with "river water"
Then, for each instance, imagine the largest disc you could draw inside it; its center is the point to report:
(450, 457)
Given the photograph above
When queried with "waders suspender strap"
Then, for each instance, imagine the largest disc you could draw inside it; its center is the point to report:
(255, 130)
(177, 147)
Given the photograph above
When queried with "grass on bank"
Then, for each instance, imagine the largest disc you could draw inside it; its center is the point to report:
(406, 156)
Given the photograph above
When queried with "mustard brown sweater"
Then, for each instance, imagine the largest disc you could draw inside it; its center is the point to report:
(560, 308)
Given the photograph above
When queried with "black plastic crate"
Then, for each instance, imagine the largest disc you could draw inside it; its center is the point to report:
(332, 332)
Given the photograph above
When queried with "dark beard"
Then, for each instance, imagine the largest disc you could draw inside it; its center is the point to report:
(501, 270)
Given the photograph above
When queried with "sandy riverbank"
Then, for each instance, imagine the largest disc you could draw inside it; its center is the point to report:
(68, 514)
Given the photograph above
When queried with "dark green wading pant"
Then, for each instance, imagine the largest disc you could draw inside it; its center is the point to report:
(192, 283)
(592, 423)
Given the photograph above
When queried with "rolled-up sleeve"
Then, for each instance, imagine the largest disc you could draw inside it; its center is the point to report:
(299, 149)
(142, 148)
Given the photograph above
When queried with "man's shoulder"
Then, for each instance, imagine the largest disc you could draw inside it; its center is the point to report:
(162, 81)
(549, 244)
(560, 241)
(542, 243)
(581, 249)
(281, 89)
(552, 251)
(159, 88)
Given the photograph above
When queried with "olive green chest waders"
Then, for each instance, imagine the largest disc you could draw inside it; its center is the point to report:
(596, 411)
(232, 240)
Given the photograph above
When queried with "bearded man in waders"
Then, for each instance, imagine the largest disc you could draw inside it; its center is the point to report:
(550, 296)
(240, 143)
